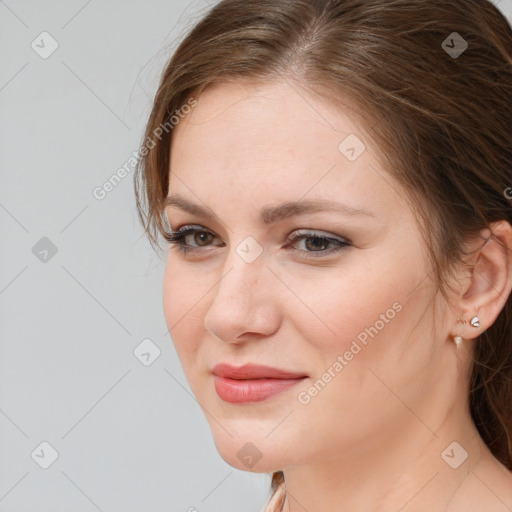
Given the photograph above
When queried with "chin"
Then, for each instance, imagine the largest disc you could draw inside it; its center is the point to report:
(247, 456)
(248, 452)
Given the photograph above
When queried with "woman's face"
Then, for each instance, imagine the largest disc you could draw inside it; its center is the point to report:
(353, 323)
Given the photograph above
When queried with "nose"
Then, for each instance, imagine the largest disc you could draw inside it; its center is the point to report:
(245, 305)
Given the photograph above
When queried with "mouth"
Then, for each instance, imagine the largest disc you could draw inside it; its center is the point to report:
(252, 383)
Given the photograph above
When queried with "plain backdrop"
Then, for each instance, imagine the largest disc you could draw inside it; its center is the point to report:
(95, 411)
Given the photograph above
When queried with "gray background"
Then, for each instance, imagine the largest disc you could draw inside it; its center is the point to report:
(129, 437)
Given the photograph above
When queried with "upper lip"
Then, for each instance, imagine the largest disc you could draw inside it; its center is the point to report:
(253, 371)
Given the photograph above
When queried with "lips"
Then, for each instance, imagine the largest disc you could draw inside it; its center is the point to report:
(253, 371)
(252, 383)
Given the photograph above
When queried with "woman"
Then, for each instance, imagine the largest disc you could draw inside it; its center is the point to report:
(334, 179)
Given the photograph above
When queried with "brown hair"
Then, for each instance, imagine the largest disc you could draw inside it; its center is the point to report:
(443, 121)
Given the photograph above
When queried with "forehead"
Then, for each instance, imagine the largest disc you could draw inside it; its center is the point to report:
(271, 142)
(270, 113)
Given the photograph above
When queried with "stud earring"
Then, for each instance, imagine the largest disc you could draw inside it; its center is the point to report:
(474, 322)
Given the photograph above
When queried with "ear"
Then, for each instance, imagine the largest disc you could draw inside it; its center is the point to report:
(490, 281)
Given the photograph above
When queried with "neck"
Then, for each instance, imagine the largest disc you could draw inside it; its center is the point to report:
(408, 470)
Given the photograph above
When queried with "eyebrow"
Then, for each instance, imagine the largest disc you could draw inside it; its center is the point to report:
(272, 214)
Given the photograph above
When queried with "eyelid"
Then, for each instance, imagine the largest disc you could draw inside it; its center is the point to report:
(305, 232)
(187, 229)
(295, 233)
(178, 236)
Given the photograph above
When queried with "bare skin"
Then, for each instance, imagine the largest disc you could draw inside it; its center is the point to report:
(377, 436)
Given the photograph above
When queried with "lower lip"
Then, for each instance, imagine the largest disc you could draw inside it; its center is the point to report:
(255, 390)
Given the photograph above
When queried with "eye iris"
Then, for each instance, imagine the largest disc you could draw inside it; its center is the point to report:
(319, 245)
(198, 239)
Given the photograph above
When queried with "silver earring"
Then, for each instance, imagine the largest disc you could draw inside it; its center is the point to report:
(475, 321)
(458, 340)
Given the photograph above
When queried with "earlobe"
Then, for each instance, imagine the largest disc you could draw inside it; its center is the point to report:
(490, 283)
(474, 322)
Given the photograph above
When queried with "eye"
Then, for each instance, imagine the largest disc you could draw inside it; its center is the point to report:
(193, 237)
(317, 244)
(200, 237)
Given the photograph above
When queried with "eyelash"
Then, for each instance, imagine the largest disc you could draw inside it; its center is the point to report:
(178, 238)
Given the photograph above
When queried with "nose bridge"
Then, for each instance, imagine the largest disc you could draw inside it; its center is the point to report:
(243, 271)
(241, 300)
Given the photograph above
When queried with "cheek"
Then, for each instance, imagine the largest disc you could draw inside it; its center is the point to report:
(372, 319)
(362, 322)
(182, 311)
(338, 306)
